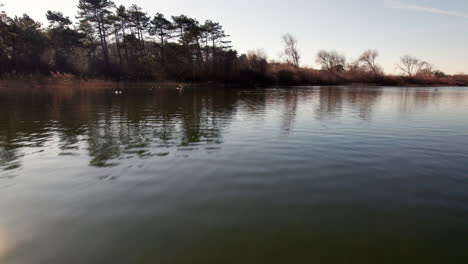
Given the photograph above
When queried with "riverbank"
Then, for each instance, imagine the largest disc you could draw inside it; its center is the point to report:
(296, 78)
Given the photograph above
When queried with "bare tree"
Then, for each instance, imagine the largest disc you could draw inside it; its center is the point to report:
(369, 58)
(331, 61)
(409, 65)
(256, 60)
(355, 67)
(425, 68)
(291, 53)
(257, 54)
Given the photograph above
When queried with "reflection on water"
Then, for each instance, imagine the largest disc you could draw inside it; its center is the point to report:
(150, 123)
(143, 123)
(224, 175)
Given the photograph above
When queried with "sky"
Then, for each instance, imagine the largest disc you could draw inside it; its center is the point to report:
(432, 30)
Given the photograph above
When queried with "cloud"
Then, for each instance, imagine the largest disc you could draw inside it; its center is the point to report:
(426, 9)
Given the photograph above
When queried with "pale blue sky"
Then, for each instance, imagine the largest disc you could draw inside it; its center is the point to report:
(433, 30)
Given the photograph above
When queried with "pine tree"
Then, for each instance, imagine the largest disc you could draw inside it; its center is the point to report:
(97, 12)
(162, 28)
(139, 21)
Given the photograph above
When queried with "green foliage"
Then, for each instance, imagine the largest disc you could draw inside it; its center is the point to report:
(118, 42)
(58, 20)
(439, 74)
(24, 42)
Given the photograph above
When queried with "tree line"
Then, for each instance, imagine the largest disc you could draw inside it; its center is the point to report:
(112, 40)
(336, 69)
(126, 43)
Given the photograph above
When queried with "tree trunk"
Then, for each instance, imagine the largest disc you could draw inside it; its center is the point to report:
(102, 37)
(199, 53)
(162, 48)
(125, 43)
(140, 50)
(117, 43)
(142, 42)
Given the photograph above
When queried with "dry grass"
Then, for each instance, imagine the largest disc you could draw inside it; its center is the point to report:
(265, 74)
(280, 73)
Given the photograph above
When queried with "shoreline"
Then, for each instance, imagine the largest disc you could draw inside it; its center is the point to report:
(108, 83)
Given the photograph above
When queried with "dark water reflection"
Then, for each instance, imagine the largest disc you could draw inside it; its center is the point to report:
(210, 175)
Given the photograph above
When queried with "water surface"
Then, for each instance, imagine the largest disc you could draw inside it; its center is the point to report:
(214, 175)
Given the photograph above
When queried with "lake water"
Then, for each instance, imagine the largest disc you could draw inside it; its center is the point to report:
(214, 175)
